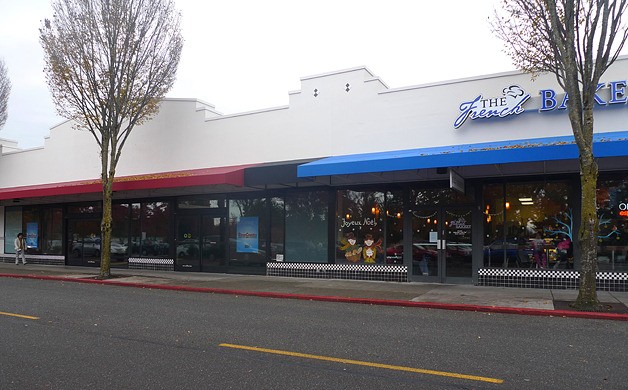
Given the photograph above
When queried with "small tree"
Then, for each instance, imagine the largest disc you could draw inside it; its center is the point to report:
(576, 40)
(109, 63)
(5, 91)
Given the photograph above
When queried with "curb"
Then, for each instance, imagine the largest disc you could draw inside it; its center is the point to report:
(323, 298)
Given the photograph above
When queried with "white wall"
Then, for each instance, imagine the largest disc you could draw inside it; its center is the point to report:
(189, 134)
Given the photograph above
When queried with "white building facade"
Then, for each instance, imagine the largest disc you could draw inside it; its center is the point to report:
(467, 181)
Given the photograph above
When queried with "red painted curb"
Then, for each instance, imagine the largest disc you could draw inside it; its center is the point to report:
(365, 301)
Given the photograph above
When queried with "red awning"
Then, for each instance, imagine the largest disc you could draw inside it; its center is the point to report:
(232, 175)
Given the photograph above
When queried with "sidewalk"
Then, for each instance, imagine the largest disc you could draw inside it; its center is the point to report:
(426, 295)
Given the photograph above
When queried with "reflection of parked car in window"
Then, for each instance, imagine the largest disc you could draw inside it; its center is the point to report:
(459, 249)
(188, 247)
(118, 248)
(91, 247)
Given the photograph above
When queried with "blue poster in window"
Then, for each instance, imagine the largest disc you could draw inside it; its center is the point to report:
(248, 235)
(32, 236)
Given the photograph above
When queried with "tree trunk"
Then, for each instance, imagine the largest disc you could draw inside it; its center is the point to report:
(105, 230)
(588, 234)
(107, 175)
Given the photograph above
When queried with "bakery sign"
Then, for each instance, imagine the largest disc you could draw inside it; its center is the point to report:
(510, 103)
(513, 97)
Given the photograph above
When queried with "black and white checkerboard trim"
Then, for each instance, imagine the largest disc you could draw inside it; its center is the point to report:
(554, 279)
(151, 264)
(392, 273)
(35, 259)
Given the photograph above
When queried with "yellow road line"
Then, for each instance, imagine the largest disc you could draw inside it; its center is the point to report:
(368, 364)
(18, 316)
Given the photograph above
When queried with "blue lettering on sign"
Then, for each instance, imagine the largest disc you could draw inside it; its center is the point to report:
(598, 99)
(617, 96)
(548, 100)
(563, 105)
(509, 104)
(618, 92)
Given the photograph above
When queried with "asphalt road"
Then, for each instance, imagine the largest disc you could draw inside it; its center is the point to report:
(107, 337)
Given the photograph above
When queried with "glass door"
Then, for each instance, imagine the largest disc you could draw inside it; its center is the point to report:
(188, 251)
(457, 246)
(441, 243)
(200, 243)
(213, 243)
(425, 242)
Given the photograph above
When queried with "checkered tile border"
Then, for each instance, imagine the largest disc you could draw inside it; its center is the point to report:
(151, 264)
(35, 259)
(554, 279)
(392, 273)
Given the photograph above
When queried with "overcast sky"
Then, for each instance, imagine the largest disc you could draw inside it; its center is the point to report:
(243, 55)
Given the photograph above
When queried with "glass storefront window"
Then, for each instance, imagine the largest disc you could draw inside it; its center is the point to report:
(537, 225)
(41, 225)
(360, 226)
(31, 228)
(277, 228)
(394, 227)
(12, 226)
(306, 227)
(612, 201)
(52, 230)
(155, 226)
(136, 230)
(497, 252)
(248, 221)
(119, 233)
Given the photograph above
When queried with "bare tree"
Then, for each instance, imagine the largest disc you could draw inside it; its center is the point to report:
(108, 65)
(576, 40)
(5, 91)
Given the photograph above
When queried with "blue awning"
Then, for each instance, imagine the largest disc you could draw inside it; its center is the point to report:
(612, 144)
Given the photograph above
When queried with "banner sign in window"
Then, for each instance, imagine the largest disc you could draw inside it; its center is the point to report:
(32, 237)
(248, 235)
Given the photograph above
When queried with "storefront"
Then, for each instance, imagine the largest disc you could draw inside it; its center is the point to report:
(351, 180)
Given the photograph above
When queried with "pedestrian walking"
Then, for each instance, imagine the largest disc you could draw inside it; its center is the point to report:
(20, 248)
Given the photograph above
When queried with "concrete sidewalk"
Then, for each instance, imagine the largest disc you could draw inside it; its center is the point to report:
(430, 295)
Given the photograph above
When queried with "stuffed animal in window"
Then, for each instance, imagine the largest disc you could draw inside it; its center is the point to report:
(353, 252)
(370, 248)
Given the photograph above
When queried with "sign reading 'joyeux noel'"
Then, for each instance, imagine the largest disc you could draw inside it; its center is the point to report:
(513, 97)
